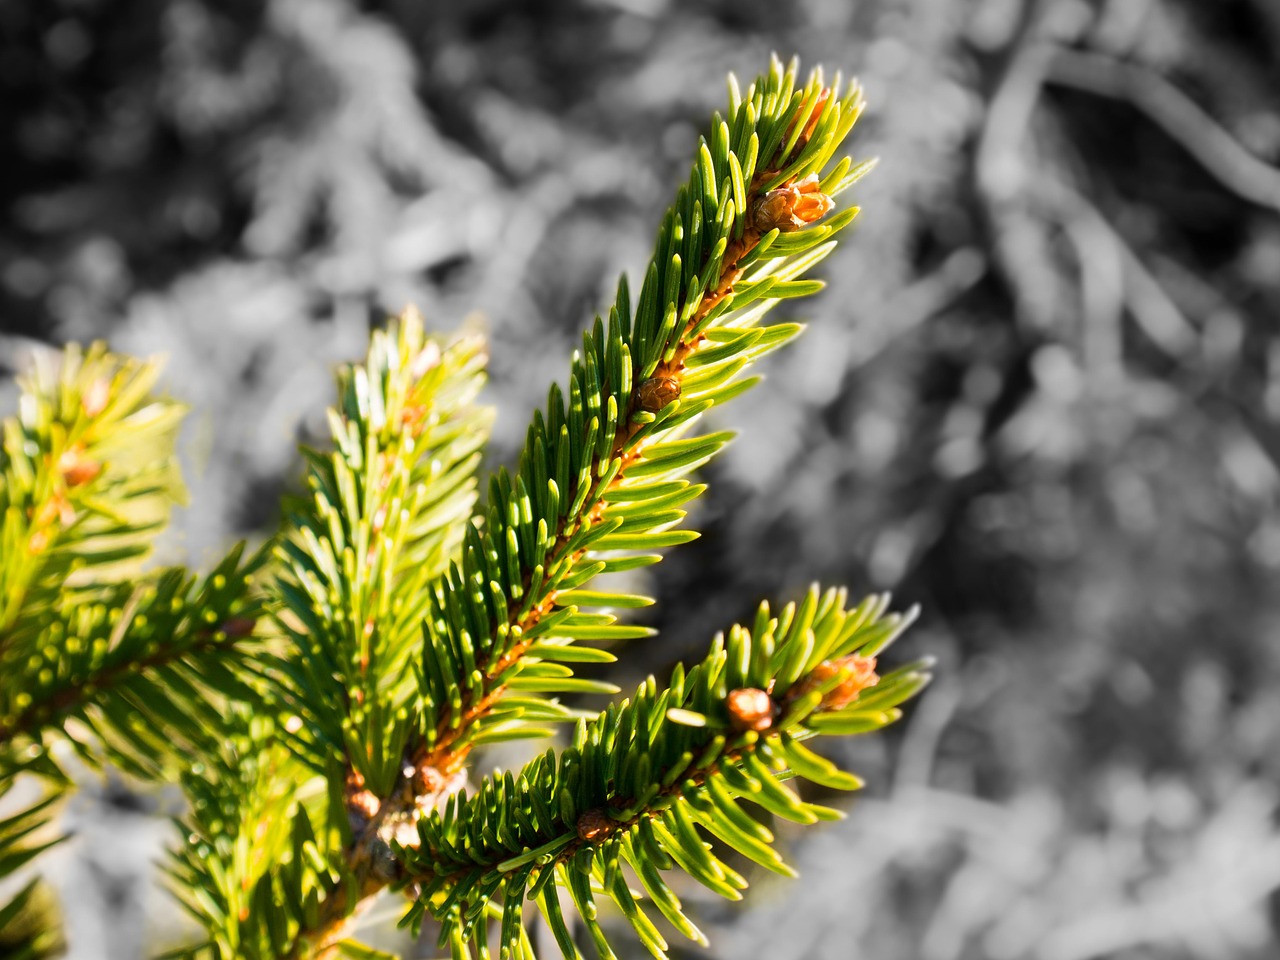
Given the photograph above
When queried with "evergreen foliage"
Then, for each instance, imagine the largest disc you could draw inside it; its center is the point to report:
(639, 778)
(320, 699)
(121, 665)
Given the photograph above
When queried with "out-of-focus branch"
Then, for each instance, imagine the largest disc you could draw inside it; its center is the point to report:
(1000, 169)
(1149, 303)
(1174, 112)
(1162, 320)
(922, 299)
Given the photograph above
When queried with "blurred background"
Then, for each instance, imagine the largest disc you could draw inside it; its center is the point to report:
(1040, 396)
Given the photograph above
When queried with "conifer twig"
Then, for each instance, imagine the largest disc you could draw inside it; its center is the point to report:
(640, 779)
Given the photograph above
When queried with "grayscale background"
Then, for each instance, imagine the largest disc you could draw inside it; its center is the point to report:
(1040, 396)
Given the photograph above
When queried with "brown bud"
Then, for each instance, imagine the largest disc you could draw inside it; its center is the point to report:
(413, 418)
(594, 825)
(656, 392)
(856, 674)
(364, 802)
(58, 508)
(426, 780)
(750, 709)
(432, 786)
(76, 468)
(790, 207)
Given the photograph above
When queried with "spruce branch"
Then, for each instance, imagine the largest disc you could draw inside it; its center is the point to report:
(87, 478)
(138, 676)
(640, 781)
(126, 667)
(385, 513)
